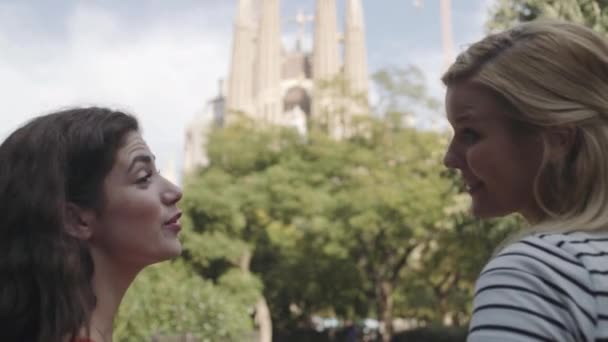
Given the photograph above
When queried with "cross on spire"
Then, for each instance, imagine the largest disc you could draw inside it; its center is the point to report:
(301, 19)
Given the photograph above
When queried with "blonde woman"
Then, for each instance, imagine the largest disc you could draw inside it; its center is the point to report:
(529, 108)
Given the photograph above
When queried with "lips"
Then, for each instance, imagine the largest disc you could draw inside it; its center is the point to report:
(173, 223)
(174, 218)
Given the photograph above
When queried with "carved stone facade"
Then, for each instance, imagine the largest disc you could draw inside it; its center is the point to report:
(273, 85)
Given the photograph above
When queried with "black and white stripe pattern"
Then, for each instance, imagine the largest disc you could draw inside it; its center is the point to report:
(545, 287)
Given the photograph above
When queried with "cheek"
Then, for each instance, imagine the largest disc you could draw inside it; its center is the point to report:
(135, 205)
(479, 159)
(533, 156)
(495, 168)
(507, 171)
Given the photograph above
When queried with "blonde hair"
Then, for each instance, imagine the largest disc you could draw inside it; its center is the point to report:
(554, 74)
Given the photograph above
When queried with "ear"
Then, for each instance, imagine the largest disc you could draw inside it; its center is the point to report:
(561, 140)
(78, 221)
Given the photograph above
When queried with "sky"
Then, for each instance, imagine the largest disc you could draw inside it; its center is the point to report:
(162, 60)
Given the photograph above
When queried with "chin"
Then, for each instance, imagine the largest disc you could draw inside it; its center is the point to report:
(170, 251)
(175, 250)
(481, 212)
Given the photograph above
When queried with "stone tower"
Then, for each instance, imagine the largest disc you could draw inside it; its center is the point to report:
(325, 49)
(326, 64)
(268, 67)
(275, 85)
(240, 78)
(355, 58)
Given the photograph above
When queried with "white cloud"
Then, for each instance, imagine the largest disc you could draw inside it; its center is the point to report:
(164, 74)
(161, 62)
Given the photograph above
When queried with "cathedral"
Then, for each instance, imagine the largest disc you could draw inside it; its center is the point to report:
(272, 84)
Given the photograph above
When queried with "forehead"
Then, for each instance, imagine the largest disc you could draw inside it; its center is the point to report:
(133, 145)
(468, 101)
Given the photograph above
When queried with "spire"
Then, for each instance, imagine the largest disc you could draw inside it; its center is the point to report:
(269, 63)
(325, 62)
(446, 32)
(301, 19)
(355, 59)
(325, 57)
(240, 81)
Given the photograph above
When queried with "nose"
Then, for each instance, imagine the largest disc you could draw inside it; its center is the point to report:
(451, 159)
(448, 160)
(172, 194)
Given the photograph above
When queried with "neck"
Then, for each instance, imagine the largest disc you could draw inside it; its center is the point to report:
(533, 217)
(110, 282)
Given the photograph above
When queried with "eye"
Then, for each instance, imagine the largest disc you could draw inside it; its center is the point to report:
(147, 177)
(469, 136)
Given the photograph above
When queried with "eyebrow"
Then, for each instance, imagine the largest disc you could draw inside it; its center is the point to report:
(461, 118)
(141, 158)
(464, 118)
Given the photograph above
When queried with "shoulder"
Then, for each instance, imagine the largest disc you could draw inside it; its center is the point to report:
(537, 287)
(541, 255)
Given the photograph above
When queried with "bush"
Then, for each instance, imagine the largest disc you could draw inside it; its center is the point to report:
(432, 334)
(301, 335)
(168, 299)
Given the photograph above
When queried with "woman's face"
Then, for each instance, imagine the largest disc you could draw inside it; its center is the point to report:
(498, 163)
(138, 223)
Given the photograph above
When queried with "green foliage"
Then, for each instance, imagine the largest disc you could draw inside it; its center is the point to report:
(403, 89)
(433, 334)
(324, 219)
(339, 227)
(591, 13)
(168, 299)
(441, 284)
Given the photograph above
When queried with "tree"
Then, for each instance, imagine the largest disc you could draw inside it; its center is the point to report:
(294, 209)
(343, 227)
(224, 218)
(591, 13)
(169, 299)
(247, 210)
(388, 207)
(440, 290)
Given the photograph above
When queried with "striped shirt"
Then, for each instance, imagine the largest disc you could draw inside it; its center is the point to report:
(544, 287)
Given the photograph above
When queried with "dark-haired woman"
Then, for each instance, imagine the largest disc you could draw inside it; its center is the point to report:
(82, 211)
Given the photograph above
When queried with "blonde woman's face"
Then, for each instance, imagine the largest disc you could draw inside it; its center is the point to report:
(139, 223)
(497, 164)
